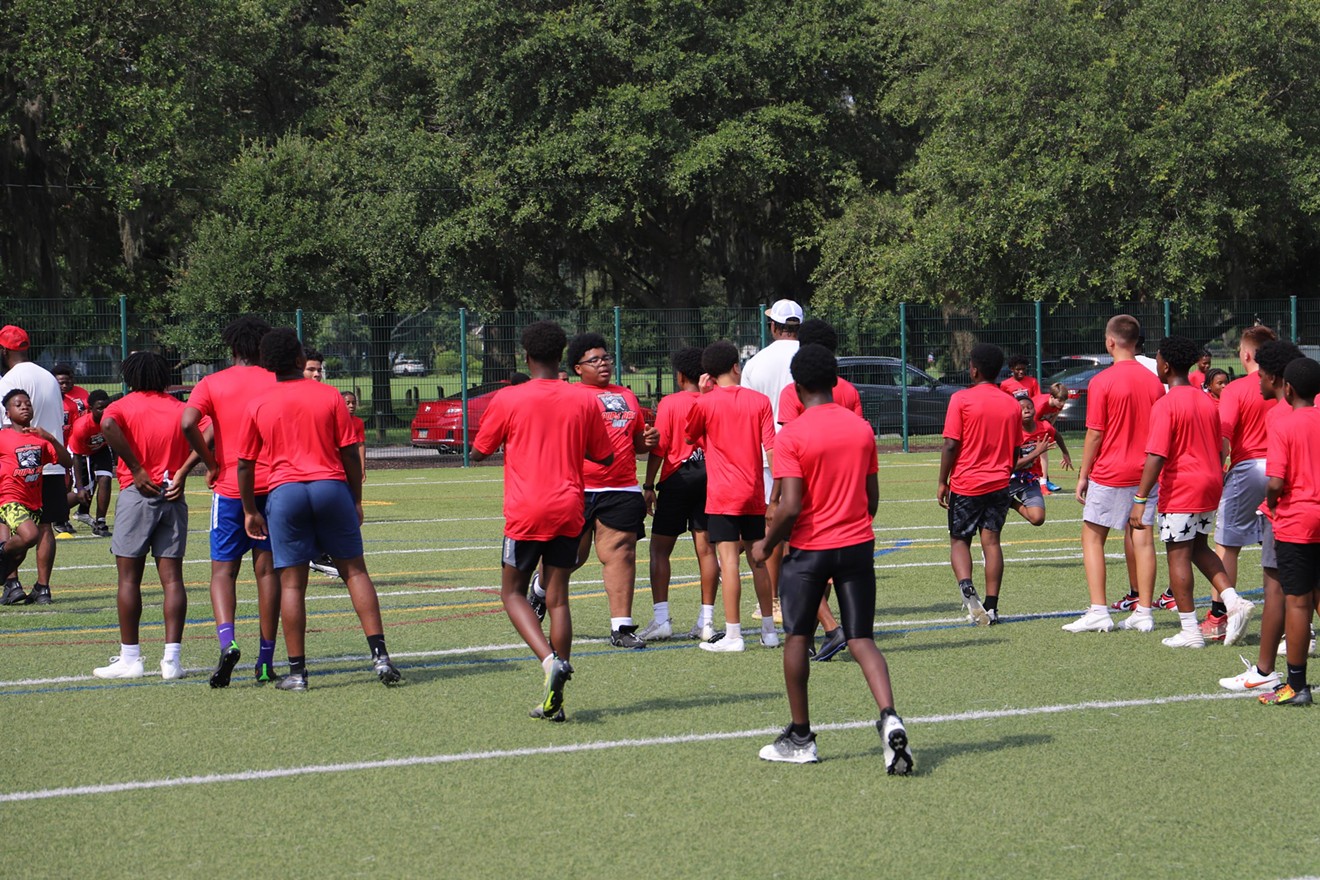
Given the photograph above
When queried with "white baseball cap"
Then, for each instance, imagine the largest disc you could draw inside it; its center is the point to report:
(785, 311)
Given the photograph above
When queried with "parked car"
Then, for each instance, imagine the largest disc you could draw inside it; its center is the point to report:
(438, 424)
(880, 381)
(409, 367)
(1077, 380)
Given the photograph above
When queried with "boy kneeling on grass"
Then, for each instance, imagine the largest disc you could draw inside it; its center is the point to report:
(24, 450)
(1292, 463)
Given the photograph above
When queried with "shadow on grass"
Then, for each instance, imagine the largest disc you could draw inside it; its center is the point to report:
(596, 716)
(928, 760)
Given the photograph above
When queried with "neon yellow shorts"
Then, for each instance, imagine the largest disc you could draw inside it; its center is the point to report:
(14, 515)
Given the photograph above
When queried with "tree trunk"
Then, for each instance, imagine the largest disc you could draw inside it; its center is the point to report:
(378, 362)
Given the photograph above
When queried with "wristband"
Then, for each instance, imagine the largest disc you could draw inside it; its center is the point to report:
(1138, 499)
(648, 487)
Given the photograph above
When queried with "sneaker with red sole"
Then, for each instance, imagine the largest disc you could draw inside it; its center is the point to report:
(1214, 626)
(1127, 603)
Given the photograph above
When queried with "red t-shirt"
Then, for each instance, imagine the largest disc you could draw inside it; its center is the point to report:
(1294, 457)
(989, 425)
(149, 421)
(1026, 383)
(733, 424)
(844, 394)
(1044, 431)
(1044, 404)
(621, 415)
(86, 437)
(21, 458)
(224, 398)
(1272, 417)
(297, 428)
(547, 429)
(1119, 403)
(671, 421)
(359, 429)
(80, 396)
(1242, 418)
(833, 452)
(71, 413)
(1196, 379)
(1184, 429)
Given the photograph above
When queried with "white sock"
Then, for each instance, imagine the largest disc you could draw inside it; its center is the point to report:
(661, 612)
(733, 630)
(129, 653)
(767, 624)
(1229, 597)
(705, 615)
(545, 664)
(536, 585)
(172, 650)
(620, 622)
(1100, 609)
(1188, 622)
(1142, 611)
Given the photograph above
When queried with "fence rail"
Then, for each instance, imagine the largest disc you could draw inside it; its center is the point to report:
(398, 362)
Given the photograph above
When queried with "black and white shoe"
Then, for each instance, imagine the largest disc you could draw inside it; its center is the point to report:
(791, 749)
(224, 669)
(294, 681)
(626, 637)
(536, 596)
(385, 670)
(894, 738)
(14, 594)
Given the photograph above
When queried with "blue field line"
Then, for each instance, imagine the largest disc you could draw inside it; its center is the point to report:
(898, 545)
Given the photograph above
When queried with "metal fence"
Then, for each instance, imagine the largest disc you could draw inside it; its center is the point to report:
(398, 363)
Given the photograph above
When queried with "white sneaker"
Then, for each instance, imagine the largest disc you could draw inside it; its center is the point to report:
(1091, 621)
(1251, 680)
(725, 645)
(1140, 622)
(1185, 639)
(657, 630)
(1283, 647)
(894, 738)
(170, 669)
(120, 668)
(85, 518)
(702, 631)
(769, 639)
(975, 610)
(1238, 616)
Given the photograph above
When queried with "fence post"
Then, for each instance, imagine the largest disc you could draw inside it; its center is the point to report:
(1040, 339)
(123, 337)
(463, 381)
(298, 324)
(1292, 316)
(618, 346)
(902, 368)
(1168, 319)
(760, 316)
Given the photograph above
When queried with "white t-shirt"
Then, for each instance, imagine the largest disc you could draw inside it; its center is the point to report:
(47, 400)
(768, 372)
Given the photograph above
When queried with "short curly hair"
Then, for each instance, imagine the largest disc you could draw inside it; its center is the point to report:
(687, 363)
(1303, 375)
(243, 336)
(989, 359)
(719, 358)
(544, 342)
(281, 352)
(1273, 357)
(581, 344)
(1179, 352)
(814, 368)
(818, 332)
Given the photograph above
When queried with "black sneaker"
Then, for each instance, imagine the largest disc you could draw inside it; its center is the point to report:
(265, 673)
(40, 595)
(294, 681)
(559, 717)
(626, 637)
(385, 670)
(833, 644)
(536, 600)
(229, 658)
(559, 674)
(100, 529)
(14, 594)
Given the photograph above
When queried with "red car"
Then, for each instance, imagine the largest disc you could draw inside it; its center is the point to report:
(439, 423)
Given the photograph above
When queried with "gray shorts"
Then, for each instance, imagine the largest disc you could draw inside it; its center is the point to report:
(1244, 490)
(149, 524)
(1026, 492)
(1110, 506)
(1268, 558)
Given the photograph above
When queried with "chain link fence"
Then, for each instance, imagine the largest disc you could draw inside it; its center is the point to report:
(422, 378)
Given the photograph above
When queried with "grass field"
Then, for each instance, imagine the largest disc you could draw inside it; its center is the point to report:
(1039, 753)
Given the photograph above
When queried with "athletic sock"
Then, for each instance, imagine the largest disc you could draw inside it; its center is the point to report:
(1099, 608)
(990, 603)
(1218, 609)
(1297, 676)
(1142, 611)
(536, 587)
(1229, 597)
(224, 633)
(801, 731)
(1132, 593)
(298, 664)
(618, 623)
(768, 624)
(1188, 621)
(266, 653)
(661, 612)
(733, 630)
(884, 713)
(377, 645)
(545, 664)
(705, 615)
(129, 653)
(172, 651)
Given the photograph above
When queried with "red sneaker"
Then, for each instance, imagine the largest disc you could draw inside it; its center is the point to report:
(1213, 627)
(1166, 601)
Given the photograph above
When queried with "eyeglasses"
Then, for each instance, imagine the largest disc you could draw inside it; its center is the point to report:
(597, 360)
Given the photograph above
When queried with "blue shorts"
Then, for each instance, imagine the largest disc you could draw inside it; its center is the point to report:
(307, 520)
(229, 538)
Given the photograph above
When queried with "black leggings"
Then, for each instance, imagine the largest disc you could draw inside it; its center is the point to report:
(805, 575)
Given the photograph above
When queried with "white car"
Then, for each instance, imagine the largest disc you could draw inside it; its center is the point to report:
(409, 367)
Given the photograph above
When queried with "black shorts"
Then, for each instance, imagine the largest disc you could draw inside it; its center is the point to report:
(721, 527)
(526, 555)
(620, 510)
(1299, 567)
(680, 503)
(54, 498)
(969, 514)
(802, 583)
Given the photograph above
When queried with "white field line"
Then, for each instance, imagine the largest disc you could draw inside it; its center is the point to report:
(573, 748)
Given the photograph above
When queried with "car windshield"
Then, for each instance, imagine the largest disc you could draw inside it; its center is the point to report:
(1075, 374)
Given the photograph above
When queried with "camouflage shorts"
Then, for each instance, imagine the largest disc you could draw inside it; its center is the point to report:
(14, 515)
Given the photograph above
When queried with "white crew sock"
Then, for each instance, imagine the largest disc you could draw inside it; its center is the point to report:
(705, 615)
(1142, 611)
(172, 650)
(1229, 597)
(733, 630)
(661, 612)
(1100, 609)
(545, 664)
(767, 624)
(129, 653)
(620, 622)
(1188, 621)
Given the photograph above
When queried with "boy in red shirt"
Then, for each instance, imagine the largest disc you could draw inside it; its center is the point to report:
(1117, 427)
(223, 398)
(1018, 380)
(680, 504)
(24, 450)
(1024, 487)
(299, 428)
(982, 439)
(359, 430)
(825, 467)
(151, 513)
(615, 512)
(1293, 496)
(734, 424)
(1182, 453)
(543, 496)
(93, 463)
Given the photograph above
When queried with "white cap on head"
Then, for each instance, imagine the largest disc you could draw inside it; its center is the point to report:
(785, 311)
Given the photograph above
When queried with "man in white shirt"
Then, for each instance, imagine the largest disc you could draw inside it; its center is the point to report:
(48, 413)
(768, 372)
